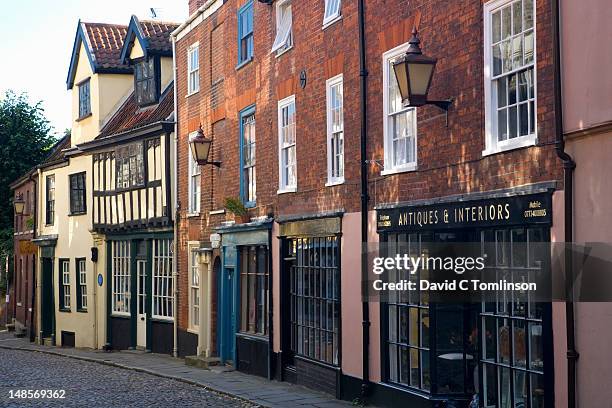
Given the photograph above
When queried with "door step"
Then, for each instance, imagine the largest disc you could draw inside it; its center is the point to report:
(47, 341)
(202, 362)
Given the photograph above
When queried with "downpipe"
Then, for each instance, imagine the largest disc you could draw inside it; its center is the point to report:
(569, 165)
(176, 208)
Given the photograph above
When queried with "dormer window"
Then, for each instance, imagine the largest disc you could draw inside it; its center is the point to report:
(84, 99)
(145, 84)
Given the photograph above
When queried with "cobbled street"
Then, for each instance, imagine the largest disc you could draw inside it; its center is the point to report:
(96, 385)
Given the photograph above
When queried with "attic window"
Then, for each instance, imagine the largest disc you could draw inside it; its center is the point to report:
(84, 99)
(145, 83)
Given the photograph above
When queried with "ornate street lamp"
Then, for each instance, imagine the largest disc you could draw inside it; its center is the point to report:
(200, 149)
(414, 72)
(19, 205)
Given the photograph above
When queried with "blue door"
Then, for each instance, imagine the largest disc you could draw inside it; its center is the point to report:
(228, 298)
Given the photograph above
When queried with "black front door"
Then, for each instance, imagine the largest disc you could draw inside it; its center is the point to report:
(47, 306)
(287, 355)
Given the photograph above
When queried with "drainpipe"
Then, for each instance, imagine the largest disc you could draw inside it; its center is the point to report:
(365, 306)
(568, 169)
(176, 208)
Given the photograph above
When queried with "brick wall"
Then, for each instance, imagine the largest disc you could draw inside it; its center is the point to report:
(450, 160)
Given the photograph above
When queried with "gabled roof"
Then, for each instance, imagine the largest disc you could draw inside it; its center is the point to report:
(130, 116)
(153, 36)
(103, 44)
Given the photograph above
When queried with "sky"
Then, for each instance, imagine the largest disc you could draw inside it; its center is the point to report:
(36, 39)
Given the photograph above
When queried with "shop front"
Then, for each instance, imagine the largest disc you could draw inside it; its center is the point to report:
(310, 332)
(493, 353)
(244, 282)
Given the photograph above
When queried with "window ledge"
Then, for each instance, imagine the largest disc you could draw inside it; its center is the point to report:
(193, 215)
(396, 170)
(80, 118)
(331, 21)
(64, 310)
(278, 54)
(76, 214)
(244, 63)
(517, 143)
(331, 183)
(82, 310)
(287, 190)
(162, 319)
(194, 330)
(192, 93)
(216, 212)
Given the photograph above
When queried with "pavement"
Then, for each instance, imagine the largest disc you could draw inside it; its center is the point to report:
(232, 387)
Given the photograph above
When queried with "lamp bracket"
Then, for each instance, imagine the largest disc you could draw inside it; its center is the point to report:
(214, 163)
(444, 105)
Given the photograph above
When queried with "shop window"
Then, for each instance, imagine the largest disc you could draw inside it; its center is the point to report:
(315, 298)
(64, 287)
(254, 290)
(163, 294)
(120, 271)
(400, 124)
(510, 61)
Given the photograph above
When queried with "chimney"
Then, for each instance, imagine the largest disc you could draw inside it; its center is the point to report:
(194, 5)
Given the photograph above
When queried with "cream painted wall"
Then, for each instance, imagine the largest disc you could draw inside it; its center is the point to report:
(136, 51)
(167, 74)
(74, 241)
(107, 91)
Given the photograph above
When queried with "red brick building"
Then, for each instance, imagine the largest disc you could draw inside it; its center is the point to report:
(22, 294)
(276, 85)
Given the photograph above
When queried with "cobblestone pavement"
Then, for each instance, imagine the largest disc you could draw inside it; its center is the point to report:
(96, 385)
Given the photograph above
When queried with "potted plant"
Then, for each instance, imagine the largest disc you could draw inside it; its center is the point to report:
(235, 206)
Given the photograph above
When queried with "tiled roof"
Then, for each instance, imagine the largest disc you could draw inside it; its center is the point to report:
(106, 42)
(157, 33)
(130, 116)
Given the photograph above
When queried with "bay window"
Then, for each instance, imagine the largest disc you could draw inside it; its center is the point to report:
(129, 166)
(510, 75)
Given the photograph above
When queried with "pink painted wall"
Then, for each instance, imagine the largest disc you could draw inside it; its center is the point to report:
(587, 86)
(593, 223)
(351, 295)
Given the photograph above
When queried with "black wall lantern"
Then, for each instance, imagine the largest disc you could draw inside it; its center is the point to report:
(200, 149)
(19, 204)
(414, 72)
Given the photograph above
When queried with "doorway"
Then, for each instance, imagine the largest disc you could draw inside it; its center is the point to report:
(228, 297)
(47, 303)
(141, 322)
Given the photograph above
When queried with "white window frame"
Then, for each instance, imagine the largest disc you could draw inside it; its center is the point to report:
(193, 72)
(194, 189)
(194, 309)
(65, 264)
(329, 84)
(333, 15)
(283, 187)
(389, 168)
(120, 275)
(492, 145)
(82, 270)
(162, 288)
(283, 40)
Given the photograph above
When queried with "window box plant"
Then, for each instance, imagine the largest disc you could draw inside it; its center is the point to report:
(235, 206)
